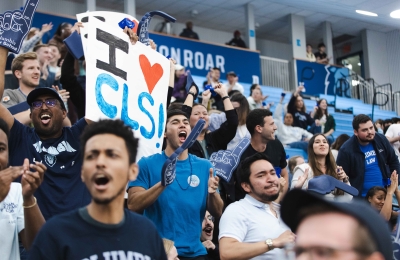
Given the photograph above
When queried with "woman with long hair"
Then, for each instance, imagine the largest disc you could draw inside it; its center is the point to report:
(242, 108)
(297, 108)
(381, 198)
(327, 123)
(340, 140)
(320, 161)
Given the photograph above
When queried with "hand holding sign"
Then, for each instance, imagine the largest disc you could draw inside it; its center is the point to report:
(14, 26)
(168, 170)
(226, 161)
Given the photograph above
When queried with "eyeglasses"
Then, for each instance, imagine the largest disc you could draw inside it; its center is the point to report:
(318, 252)
(210, 218)
(51, 102)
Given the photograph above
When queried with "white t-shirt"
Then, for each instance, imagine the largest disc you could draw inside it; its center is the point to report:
(394, 131)
(236, 86)
(11, 222)
(250, 221)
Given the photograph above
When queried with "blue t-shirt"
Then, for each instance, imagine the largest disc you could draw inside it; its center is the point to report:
(62, 189)
(76, 235)
(179, 211)
(373, 174)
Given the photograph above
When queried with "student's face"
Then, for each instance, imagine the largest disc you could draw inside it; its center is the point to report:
(199, 112)
(177, 130)
(256, 94)
(320, 146)
(365, 132)
(231, 79)
(44, 54)
(327, 236)
(323, 105)
(216, 74)
(299, 102)
(288, 120)
(3, 150)
(299, 160)
(106, 168)
(309, 49)
(48, 120)
(322, 49)
(264, 183)
(207, 227)
(55, 53)
(30, 73)
(378, 200)
(268, 129)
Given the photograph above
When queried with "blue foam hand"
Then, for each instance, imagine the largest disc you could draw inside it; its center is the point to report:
(226, 161)
(126, 23)
(15, 25)
(168, 171)
(143, 27)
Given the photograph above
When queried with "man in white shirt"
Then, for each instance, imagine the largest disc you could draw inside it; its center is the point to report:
(252, 228)
(295, 137)
(20, 216)
(393, 135)
(232, 83)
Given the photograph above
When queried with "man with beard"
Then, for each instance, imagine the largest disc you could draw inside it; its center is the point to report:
(103, 229)
(367, 157)
(207, 236)
(252, 228)
(48, 142)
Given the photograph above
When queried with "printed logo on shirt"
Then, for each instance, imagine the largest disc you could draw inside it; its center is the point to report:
(120, 254)
(8, 207)
(50, 157)
(6, 99)
(300, 116)
(370, 154)
(194, 181)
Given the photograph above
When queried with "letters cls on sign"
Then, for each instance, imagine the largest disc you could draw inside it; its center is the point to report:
(126, 81)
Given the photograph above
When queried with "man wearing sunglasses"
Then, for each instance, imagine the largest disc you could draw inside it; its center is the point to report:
(57, 147)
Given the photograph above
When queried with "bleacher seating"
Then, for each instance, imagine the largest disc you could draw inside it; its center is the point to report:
(343, 120)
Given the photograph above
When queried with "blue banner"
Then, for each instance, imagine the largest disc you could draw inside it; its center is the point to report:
(319, 78)
(199, 57)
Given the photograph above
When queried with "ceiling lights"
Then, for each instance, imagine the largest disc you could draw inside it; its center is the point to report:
(366, 13)
(395, 14)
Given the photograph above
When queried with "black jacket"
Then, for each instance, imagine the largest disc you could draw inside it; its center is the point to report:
(352, 159)
(218, 139)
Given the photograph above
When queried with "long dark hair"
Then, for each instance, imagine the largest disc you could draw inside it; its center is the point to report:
(320, 113)
(340, 141)
(373, 190)
(329, 162)
(244, 109)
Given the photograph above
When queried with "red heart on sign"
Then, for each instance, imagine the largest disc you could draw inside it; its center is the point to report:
(152, 74)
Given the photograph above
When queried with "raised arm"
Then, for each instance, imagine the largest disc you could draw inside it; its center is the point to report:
(4, 113)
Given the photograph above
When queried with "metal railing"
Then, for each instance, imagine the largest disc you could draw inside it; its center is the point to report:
(275, 72)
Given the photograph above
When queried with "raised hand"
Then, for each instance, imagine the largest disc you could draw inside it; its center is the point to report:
(132, 36)
(153, 45)
(15, 25)
(77, 27)
(226, 161)
(220, 90)
(63, 93)
(302, 179)
(7, 176)
(213, 182)
(46, 27)
(30, 181)
(393, 183)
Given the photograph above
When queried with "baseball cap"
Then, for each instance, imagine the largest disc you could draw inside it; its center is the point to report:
(325, 184)
(231, 73)
(34, 94)
(297, 199)
(179, 67)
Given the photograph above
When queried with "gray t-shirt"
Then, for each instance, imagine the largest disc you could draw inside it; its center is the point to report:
(12, 97)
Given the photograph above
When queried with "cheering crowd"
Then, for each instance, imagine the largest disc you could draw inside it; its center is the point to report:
(63, 177)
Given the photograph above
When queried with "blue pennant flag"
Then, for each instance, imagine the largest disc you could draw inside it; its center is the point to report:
(168, 171)
(226, 161)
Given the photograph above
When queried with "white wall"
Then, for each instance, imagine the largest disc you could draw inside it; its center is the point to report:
(393, 57)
